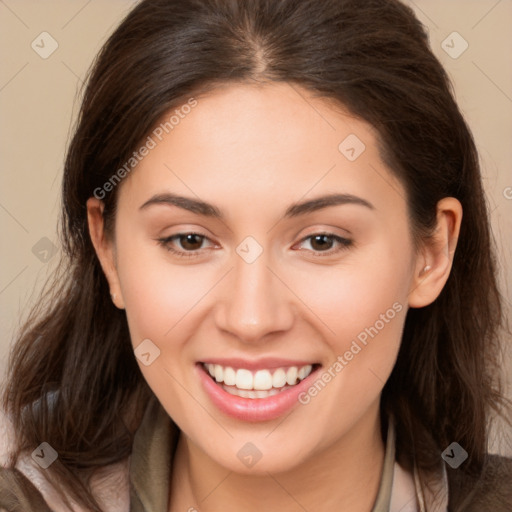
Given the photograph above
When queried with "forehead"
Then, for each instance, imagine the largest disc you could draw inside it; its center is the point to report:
(272, 143)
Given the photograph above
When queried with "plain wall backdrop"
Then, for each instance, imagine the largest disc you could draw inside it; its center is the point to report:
(47, 48)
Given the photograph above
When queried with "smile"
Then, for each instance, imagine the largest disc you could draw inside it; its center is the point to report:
(257, 384)
(251, 391)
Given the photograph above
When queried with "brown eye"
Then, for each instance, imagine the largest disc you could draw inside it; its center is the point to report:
(186, 245)
(321, 242)
(191, 241)
(324, 244)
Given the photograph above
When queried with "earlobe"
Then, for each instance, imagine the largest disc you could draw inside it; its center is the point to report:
(434, 261)
(104, 248)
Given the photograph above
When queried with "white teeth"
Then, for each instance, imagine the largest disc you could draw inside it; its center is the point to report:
(244, 393)
(244, 379)
(304, 371)
(229, 376)
(291, 375)
(262, 381)
(279, 378)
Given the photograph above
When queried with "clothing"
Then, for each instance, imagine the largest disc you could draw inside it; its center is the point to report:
(141, 483)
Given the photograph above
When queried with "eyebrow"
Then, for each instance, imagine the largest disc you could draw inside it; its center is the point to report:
(209, 210)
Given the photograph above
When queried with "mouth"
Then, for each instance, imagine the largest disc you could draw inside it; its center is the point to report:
(257, 394)
(257, 384)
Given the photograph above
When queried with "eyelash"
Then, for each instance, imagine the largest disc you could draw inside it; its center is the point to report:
(345, 243)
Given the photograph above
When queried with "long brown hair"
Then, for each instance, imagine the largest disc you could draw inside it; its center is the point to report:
(73, 379)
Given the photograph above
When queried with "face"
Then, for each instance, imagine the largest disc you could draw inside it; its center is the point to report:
(294, 303)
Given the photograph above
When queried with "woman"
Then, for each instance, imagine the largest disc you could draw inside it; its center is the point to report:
(279, 290)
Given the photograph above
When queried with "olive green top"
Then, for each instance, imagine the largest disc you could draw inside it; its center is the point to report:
(155, 442)
(150, 471)
(150, 468)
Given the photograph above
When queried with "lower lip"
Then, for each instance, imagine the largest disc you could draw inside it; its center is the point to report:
(252, 409)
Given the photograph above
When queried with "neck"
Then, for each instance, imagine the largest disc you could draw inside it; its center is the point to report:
(343, 477)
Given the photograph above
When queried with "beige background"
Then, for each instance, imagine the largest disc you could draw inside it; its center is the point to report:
(38, 105)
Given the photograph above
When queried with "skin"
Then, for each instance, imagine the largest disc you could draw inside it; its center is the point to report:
(252, 151)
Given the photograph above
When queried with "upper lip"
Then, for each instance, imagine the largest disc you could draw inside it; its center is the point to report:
(265, 363)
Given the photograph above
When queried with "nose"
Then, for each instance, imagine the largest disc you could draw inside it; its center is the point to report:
(254, 302)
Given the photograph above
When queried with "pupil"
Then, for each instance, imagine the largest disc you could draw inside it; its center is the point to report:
(321, 240)
(190, 240)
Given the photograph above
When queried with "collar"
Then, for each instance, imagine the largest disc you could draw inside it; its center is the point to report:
(154, 445)
(157, 436)
(432, 488)
(383, 500)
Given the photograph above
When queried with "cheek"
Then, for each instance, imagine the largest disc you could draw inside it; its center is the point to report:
(159, 296)
(360, 306)
(162, 302)
(365, 291)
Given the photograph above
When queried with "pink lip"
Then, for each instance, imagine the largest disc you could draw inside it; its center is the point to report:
(266, 363)
(248, 409)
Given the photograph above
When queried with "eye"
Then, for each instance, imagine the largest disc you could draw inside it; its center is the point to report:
(190, 243)
(322, 243)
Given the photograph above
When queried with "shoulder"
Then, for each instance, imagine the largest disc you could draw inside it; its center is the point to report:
(6, 438)
(23, 486)
(18, 482)
(492, 490)
(17, 493)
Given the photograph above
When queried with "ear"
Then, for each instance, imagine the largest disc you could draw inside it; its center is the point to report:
(105, 248)
(435, 258)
